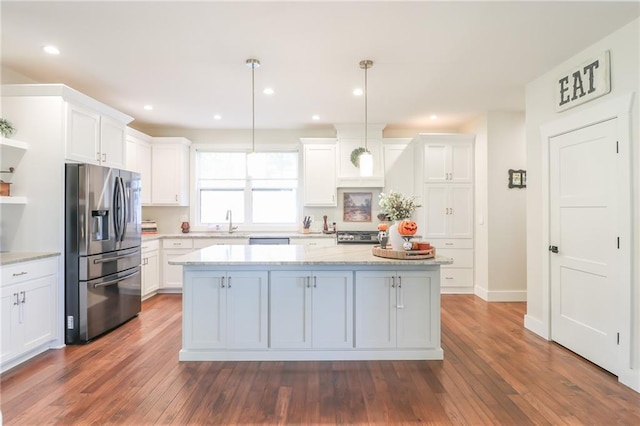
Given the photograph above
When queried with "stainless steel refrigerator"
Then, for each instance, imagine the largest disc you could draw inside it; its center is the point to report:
(102, 250)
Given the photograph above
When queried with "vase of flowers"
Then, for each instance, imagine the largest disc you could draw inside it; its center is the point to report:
(397, 207)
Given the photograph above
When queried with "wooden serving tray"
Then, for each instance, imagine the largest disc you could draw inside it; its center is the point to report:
(403, 254)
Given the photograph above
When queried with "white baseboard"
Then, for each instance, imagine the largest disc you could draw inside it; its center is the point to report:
(630, 378)
(536, 326)
(500, 295)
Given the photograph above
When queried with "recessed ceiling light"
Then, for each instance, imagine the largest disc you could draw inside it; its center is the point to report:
(315, 117)
(434, 117)
(268, 91)
(148, 107)
(217, 117)
(51, 50)
(358, 92)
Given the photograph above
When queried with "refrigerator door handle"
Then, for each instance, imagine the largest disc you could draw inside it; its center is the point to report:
(116, 209)
(116, 281)
(125, 208)
(112, 259)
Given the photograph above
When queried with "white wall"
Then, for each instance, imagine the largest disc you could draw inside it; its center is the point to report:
(506, 208)
(500, 228)
(625, 78)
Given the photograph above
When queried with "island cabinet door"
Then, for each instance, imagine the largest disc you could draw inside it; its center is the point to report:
(204, 310)
(290, 309)
(247, 306)
(332, 310)
(375, 309)
(417, 321)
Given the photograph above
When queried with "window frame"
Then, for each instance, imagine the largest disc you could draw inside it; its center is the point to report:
(247, 224)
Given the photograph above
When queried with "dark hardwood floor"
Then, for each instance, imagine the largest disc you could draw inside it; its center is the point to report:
(494, 372)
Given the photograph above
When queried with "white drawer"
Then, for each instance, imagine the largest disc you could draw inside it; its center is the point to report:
(25, 271)
(177, 243)
(452, 243)
(456, 277)
(150, 245)
(199, 243)
(462, 258)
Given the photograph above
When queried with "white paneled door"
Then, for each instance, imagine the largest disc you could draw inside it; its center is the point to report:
(584, 251)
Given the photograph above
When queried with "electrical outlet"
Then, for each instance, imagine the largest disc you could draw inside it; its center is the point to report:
(70, 322)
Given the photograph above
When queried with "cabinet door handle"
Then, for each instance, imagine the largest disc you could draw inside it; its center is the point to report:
(229, 282)
(24, 296)
(17, 302)
(315, 281)
(97, 156)
(104, 156)
(176, 197)
(400, 294)
(393, 282)
(222, 282)
(308, 282)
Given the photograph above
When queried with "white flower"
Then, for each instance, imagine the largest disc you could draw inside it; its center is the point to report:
(397, 206)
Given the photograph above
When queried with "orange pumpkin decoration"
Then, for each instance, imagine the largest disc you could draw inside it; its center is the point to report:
(383, 227)
(407, 227)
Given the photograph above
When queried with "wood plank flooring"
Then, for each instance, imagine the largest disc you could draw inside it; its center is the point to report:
(494, 372)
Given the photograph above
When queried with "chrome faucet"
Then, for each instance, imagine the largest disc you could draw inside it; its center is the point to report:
(230, 219)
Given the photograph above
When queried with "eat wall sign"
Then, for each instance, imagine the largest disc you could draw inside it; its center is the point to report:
(586, 82)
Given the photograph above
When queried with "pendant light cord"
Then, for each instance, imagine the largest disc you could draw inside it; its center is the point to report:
(253, 109)
(366, 91)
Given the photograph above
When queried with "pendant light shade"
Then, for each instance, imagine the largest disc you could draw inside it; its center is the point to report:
(251, 159)
(366, 159)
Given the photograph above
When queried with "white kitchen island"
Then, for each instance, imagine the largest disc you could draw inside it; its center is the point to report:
(294, 302)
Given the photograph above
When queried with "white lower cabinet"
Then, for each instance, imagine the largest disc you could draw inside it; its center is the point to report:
(311, 309)
(226, 310)
(457, 277)
(150, 268)
(172, 274)
(390, 309)
(27, 307)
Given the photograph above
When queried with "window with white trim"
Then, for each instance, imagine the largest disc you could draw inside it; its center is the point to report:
(259, 188)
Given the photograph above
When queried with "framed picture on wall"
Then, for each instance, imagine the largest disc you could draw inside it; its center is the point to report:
(517, 178)
(356, 207)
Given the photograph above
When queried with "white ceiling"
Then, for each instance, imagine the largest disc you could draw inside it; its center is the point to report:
(187, 59)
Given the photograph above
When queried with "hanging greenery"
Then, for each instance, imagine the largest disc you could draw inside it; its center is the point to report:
(355, 156)
(6, 128)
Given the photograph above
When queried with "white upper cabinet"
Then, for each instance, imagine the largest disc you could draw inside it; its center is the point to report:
(139, 160)
(448, 211)
(319, 172)
(398, 166)
(94, 138)
(83, 134)
(447, 158)
(170, 171)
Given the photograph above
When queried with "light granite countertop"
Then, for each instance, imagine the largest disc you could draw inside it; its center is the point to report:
(238, 235)
(9, 258)
(258, 255)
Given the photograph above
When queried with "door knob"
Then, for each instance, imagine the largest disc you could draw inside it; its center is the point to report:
(553, 249)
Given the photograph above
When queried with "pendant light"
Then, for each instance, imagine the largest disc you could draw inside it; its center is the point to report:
(251, 159)
(366, 159)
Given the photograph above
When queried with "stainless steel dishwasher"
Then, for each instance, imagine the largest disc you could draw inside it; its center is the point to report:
(269, 240)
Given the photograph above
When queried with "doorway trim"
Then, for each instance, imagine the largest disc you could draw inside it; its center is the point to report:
(620, 109)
